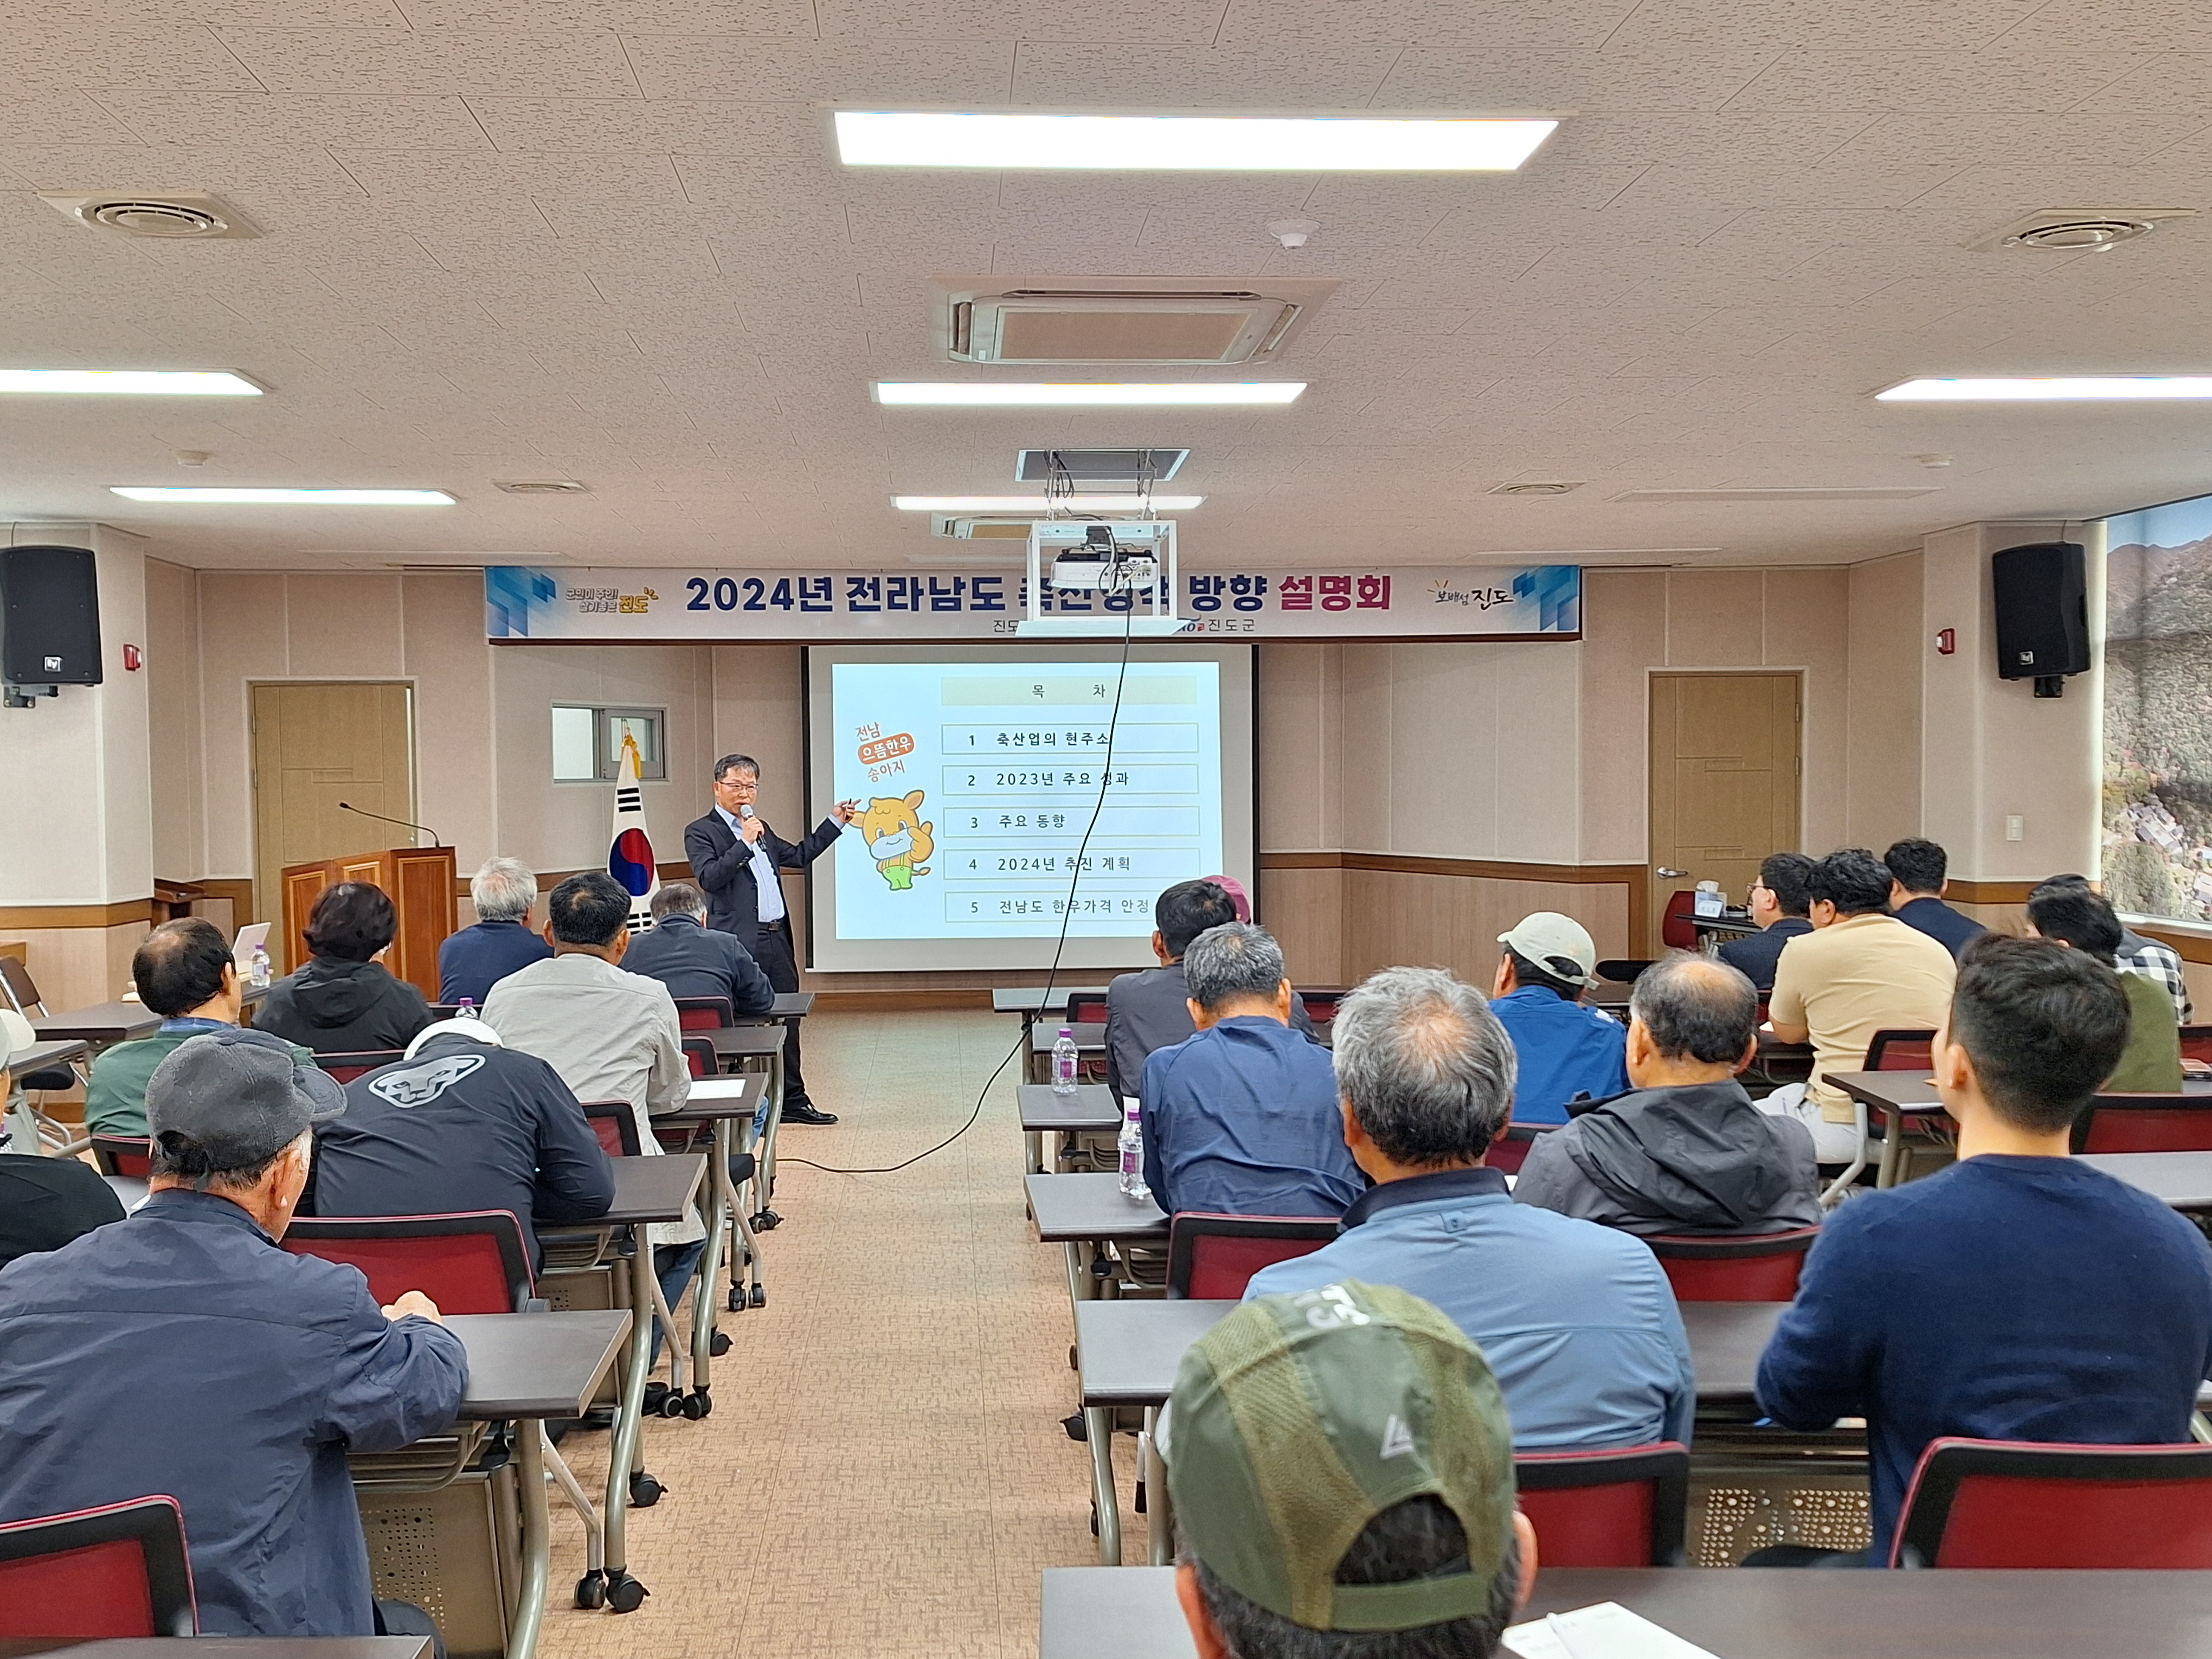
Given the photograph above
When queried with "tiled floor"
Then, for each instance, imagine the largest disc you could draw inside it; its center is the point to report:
(884, 1473)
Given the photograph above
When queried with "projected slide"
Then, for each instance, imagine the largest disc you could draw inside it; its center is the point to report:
(979, 779)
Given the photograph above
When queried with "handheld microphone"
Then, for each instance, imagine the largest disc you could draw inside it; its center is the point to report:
(360, 812)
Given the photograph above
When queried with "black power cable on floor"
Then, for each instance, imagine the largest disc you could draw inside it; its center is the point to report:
(1075, 877)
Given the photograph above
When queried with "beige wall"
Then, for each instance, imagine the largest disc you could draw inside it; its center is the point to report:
(1886, 642)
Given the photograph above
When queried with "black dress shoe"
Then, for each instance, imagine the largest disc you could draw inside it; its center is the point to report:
(807, 1112)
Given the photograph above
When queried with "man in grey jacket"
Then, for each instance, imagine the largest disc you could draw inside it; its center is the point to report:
(1685, 1150)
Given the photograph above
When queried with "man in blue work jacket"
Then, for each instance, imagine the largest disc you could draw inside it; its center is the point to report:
(181, 1351)
(1565, 1047)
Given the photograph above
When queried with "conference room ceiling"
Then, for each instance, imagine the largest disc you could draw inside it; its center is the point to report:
(552, 239)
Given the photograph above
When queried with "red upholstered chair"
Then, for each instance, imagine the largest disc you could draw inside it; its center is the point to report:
(117, 1572)
(2017, 1504)
(2196, 1044)
(1674, 930)
(1086, 1011)
(1511, 1150)
(1900, 1051)
(345, 1067)
(699, 1055)
(1213, 1257)
(1607, 1509)
(473, 1262)
(1322, 1001)
(1741, 1267)
(2145, 1123)
(615, 1125)
(705, 1013)
(124, 1155)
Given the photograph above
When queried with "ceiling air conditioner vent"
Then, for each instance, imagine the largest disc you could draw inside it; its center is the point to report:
(173, 216)
(1168, 323)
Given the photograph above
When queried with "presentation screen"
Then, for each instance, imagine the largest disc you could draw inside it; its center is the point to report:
(978, 772)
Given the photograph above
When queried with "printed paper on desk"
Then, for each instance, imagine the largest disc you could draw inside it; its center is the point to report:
(718, 1088)
(1606, 1630)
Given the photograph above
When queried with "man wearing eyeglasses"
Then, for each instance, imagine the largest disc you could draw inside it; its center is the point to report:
(735, 857)
(1778, 905)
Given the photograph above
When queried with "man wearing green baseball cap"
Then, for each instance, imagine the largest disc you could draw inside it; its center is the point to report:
(1341, 1467)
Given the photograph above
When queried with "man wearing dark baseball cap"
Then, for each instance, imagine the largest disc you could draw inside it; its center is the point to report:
(1341, 1467)
(181, 1351)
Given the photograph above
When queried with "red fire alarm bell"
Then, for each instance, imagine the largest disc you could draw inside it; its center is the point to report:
(1946, 642)
(131, 660)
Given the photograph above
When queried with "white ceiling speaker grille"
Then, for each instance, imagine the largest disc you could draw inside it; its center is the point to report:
(1176, 322)
(2077, 230)
(541, 486)
(188, 215)
(1536, 487)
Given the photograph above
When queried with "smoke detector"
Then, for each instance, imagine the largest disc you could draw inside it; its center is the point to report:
(541, 486)
(1536, 487)
(188, 215)
(1292, 232)
(2077, 230)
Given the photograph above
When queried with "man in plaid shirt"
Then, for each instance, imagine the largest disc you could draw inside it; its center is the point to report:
(2138, 955)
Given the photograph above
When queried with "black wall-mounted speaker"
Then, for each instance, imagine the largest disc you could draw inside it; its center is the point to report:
(49, 617)
(2042, 592)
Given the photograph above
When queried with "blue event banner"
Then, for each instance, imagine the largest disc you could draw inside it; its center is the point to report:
(607, 604)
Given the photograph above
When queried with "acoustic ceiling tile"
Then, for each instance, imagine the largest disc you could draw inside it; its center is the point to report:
(1186, 21)
(63, 117)
(706, 127)
(1501, 25)
(949, 70)
(1585, 82)
(389, 62)
(2001, 81)
(283, 121)
(2113, 26)
(1277, 75)
(1688, 25)
(42, 55)
(758, 17)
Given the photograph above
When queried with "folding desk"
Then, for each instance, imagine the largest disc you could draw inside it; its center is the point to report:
(2181, 1180)
(1030, 1002)
(47, 1051)
(102, 1024)
(525, 1367)
(1092, 1613)
(1090, 1110)
(1128, 1352)
(722, 1104)
(1907, 1099)
(1090, 1044)
(757, 1042)
(1087, 1212)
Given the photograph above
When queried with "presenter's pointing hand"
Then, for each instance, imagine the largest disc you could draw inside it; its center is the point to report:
(846, 810)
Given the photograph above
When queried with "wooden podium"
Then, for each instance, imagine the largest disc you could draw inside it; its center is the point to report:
(419, 881)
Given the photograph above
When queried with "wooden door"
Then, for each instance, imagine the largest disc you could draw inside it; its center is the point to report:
(1725, 766)
(314, 745)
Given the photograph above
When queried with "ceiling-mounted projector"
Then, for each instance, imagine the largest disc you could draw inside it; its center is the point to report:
(1134, 560)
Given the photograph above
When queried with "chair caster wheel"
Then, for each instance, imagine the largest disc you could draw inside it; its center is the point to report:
(656, 1399)
(644, 1493)
(592, 1590)
(624, 1593)
(672, 1405)
(767, 1221)
(737, 1298)
(697, 1404)
(718, 1344)
(760, 1295)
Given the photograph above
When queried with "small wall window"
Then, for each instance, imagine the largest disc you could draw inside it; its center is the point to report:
(587, 741)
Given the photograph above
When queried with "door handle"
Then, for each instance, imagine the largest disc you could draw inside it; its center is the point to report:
(1664, 873)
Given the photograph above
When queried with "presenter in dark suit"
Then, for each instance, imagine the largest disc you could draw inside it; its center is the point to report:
(735, 857)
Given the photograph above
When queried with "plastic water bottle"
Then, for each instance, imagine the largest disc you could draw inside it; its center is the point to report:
(257, 968)
(466, 1008)
(1065, 1067)
(1131, 1141)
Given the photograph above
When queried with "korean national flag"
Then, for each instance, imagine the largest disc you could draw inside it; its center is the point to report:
(630, 853)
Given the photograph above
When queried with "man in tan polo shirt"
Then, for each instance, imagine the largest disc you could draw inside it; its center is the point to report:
(1859, 971)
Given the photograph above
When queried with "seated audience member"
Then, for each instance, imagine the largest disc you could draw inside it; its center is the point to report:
(1565, 1049)
(45, 1202)
(1151, 1009)
(1242, 1119)
(2138, 955)
(1413, 1547)
(2083, 920)
(1239, 900)
(1917, 872)
(473, 960)
(1859, 971)
(611, 1035)
(179, 1351)
(2019, 1294)
(1577, 1320)
(1779, 902)
(184, 972)
(463, 1123)
(693, 960)
(344, 1000)
(1685, 1150)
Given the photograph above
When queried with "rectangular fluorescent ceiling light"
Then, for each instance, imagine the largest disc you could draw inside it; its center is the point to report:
(2064, 388)
(130, 382)
(1187, 144)
(1039, 505)
(287, 498)
(1008, 394)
